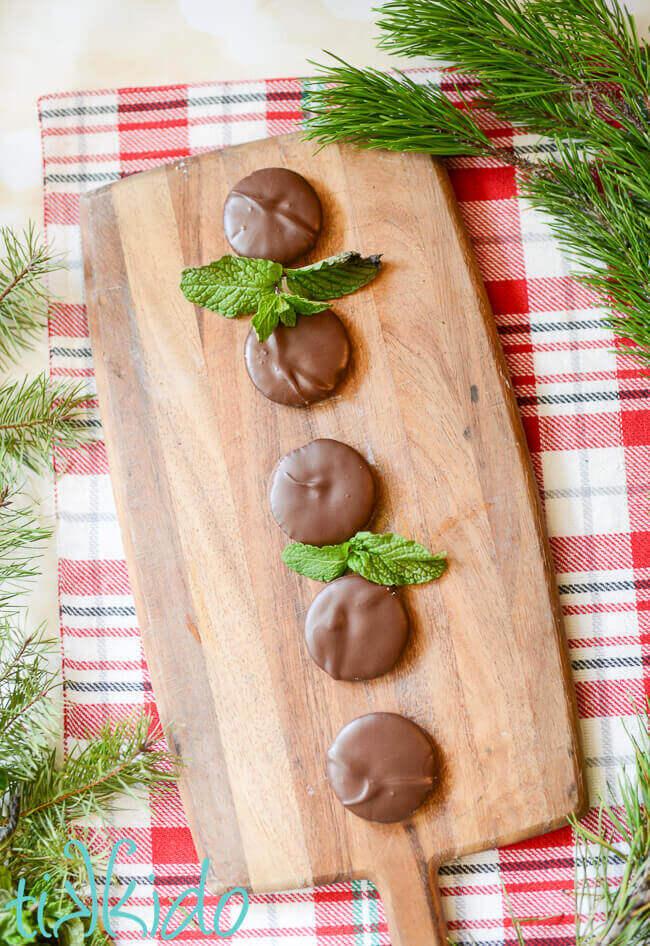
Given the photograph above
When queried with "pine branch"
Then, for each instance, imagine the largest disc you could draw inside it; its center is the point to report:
(599, 223)
(21, 542)
(613, 911)
(35, 417)
(574, 70)
(27, 716)
(625, 904)
(39, 799)
(548, 66)
(23, 297)
(376, 110)
(119, 761)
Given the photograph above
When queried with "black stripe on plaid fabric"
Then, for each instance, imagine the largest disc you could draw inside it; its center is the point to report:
(89, 178)
(89, 423)
(449, 870)
(71, 352)
(97, 611)
(560, 326)
(602, 662)
(597, 663)
(636, 584)
(166, 880)
(198, 102)
(527, 400)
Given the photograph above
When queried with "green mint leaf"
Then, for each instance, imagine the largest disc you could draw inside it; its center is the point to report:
(385, 559)
(333, 277)
(322, 564)
(232, 285)
(267, 316)
(288, 317)
(285, 313)
(304, 306)
(372, 568)
(391, 560)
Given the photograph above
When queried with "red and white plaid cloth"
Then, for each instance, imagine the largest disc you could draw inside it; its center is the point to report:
(587, 419)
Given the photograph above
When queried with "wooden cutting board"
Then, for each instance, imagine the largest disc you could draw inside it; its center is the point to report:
(191, 444)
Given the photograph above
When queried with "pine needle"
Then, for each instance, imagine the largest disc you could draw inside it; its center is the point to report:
(121, 760)
(611, 912)
(376, 110)
(43, 803)
(574, 71)
(600, 224)
(548, 65)
(23, 296)
(94, 780)
(35, 417)
(27, 715)
(21, 542)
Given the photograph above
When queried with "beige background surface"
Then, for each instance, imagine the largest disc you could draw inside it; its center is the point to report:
(57, 45)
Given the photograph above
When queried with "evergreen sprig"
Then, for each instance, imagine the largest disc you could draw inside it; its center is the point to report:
(602, 225)
(91, 782)
(22, 536)
(36, 416)
(573, 71)
(24, 298)
(548, 66)
(374, 109)
(40, 798)
(612, 861)
(27, 720)
(44, 802)
(609, 912)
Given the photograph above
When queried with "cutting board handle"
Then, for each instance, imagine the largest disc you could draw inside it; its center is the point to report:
(408, 887)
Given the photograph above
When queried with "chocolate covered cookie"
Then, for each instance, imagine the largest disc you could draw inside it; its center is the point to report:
(272, 214)
(300, 365)
(356, 629)
(382, 767)
(322, 493)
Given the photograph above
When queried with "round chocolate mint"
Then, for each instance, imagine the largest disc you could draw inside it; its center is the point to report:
(322, 493)
(355, 629)
(299, 365)
(382, 766)
(272, 214)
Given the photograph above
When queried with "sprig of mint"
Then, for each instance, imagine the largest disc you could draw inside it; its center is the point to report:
(232, 285)
(237, 285)
(335, 276)
(385, 559)
(282, 307)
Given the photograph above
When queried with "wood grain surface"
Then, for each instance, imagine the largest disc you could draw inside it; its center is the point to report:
(191, 444)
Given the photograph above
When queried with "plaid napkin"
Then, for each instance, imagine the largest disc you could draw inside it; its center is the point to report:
(587, 419)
